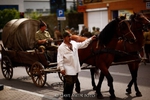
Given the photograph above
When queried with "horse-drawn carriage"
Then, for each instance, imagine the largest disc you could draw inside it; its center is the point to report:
(18, 49)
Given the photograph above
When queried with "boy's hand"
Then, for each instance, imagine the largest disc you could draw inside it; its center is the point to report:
(93, 37)
(63, 72)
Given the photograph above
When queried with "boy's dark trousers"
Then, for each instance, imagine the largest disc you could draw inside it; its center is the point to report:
(69, 81)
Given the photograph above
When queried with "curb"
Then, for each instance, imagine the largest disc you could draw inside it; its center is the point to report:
(33, 94)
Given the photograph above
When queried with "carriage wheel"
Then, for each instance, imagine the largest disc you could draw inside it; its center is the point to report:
(28, 70)
(6, 66)
(60, 76)
(38, 75)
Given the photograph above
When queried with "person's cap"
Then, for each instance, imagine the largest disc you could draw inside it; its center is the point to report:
(42, 23)
(65, 34)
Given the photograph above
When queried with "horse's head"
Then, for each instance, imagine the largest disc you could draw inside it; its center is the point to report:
(141, 21)
(141, 18)
(125, 32)
(115, 29)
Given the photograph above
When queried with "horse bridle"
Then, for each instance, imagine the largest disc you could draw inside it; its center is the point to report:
(124, 36)
(145, 26)
(137, 29)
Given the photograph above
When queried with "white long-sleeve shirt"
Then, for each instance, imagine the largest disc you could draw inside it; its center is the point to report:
(67, 59)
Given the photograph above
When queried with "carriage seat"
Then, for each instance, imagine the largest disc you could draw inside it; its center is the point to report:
(50, 53)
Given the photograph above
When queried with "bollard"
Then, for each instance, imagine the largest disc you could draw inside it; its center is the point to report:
(1, 86)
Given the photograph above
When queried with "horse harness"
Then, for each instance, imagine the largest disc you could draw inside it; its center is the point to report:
(116, 52)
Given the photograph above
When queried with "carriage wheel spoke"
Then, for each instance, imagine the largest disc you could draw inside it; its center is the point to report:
(38, 76)
(7, 68)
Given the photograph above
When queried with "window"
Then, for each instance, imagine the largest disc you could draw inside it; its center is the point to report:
(47, 10)
(39, 10)
(29, 10)
(2, 7)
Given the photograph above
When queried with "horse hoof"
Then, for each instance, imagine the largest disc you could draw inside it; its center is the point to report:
(77, 90)
(128, 91)
(94, 88)
(138, 94)
(100, 96)
(113, 97)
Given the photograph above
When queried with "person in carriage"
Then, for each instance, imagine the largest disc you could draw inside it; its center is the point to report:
(44, 40)
(42, 36)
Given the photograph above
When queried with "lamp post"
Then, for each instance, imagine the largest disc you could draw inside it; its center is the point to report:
(74, 5)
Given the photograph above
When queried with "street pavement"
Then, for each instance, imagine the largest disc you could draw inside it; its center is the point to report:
(21, 86)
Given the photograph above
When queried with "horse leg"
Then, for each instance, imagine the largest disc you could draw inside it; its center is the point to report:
(134, 71)
(105, 72)
(92, 70)
(110, 84)
(128, 90)
(138, 93)
(98, 88)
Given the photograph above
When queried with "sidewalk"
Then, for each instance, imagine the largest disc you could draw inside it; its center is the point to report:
(9, 93)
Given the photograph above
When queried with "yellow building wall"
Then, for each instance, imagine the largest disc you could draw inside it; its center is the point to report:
(135, 5)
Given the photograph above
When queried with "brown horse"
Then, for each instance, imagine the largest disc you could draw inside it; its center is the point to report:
(130, 53)
(99, 54)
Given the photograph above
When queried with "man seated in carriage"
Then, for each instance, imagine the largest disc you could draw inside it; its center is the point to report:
(44, 39)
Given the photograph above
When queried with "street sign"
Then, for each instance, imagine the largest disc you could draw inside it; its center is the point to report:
(60, 14)
(61, 18)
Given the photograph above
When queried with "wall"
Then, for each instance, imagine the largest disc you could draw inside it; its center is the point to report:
(42, 4)
(135, 5)
(37, 5)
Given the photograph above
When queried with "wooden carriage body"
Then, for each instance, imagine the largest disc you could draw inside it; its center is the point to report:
(24, 58)
(19, 49)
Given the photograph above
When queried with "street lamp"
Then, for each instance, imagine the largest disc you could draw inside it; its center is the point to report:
(74, 5)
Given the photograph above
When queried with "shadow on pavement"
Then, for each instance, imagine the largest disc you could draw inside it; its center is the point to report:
(26, 83)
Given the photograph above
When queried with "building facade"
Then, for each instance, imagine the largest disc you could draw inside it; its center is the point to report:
(17, 4)
(41, 6)
(99, 12)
